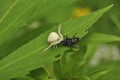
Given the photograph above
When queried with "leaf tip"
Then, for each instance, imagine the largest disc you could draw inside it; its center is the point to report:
(112, 5)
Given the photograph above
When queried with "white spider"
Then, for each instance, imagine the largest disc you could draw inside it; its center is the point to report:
(54, 38)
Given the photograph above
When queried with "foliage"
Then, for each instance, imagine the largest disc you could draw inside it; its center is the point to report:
(27, 60)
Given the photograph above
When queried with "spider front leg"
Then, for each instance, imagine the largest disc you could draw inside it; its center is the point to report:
(54, 44)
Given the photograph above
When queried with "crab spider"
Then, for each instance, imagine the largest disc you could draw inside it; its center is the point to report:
(55, 38)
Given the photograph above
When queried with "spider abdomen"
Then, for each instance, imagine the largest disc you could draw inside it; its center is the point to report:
(53, 36)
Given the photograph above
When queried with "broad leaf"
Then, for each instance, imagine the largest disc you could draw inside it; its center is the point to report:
(31, 55)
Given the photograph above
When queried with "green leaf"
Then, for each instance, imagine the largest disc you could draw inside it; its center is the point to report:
(99, 73)
(115, 21)
(14, 14)
(73, 60)
(31, 55)
(81, 78)
(90, 52)
(113, 74)
(82, 24)
(39, 74)
(97, 38)
(22, 78)
(94, 39)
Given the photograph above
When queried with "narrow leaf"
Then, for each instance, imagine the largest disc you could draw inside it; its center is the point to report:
(90, 52)
(97, 38)
(115, 21)
(99, 73)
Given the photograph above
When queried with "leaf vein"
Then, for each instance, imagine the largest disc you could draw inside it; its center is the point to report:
(20, 58)
(2, 32)
(9, 9)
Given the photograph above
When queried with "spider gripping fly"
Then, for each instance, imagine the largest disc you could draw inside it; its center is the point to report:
(55, 38)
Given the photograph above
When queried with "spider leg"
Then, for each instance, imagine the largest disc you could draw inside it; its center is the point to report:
(59, 28)
(52, 44)
(55, 46)
(59, 32)
(47, 47)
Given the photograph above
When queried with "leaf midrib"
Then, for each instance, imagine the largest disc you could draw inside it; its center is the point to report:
(20, 58)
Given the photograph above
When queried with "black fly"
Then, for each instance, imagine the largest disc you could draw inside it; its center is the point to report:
(70, 41)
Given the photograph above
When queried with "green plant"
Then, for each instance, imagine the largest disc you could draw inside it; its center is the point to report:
(60, 64)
